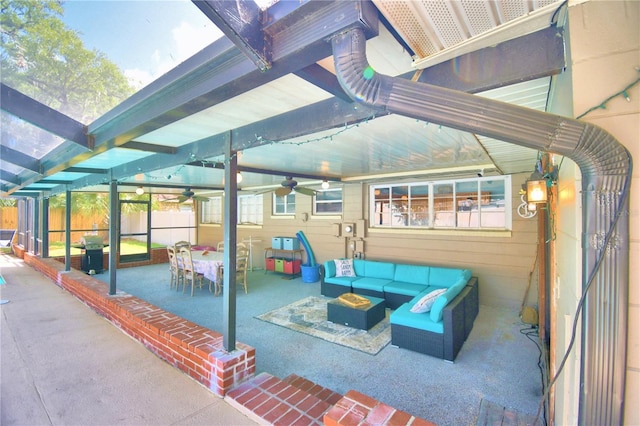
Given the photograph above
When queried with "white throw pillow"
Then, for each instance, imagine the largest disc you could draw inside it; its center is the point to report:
(344, 268)
(426, 302)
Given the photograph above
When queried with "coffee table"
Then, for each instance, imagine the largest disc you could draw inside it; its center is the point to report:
(362, 318)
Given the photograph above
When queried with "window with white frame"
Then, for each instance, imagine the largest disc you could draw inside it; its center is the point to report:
(284, 205)
(250, 209)
(328, 202)
(211, 211)
(478, 203)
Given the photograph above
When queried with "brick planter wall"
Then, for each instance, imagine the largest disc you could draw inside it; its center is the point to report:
(195, 350)
(157, 256)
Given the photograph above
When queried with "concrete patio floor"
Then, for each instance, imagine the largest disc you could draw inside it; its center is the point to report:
(61, 363)
(84, 370)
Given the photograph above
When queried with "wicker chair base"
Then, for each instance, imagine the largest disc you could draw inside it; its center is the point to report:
(426, 342)
(333, 290)
(367, 292)
(394, 301)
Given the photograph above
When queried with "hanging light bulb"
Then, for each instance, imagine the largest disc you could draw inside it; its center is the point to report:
(139, 190)
(325, 184)
(238, 177)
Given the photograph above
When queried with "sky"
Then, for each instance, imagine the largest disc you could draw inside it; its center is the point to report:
(145, 38)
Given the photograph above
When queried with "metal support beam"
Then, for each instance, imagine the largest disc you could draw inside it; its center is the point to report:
(86, 170)
(19, 159)
(67, 231)
(220, 166)
(149, 147)
(230, 240)
(114, 231)
(539, 54)
(9, 177)
(44, 219)
(40, 115)
(36, 225)
(242, 24)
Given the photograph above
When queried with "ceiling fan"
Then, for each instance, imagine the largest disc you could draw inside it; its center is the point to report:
(289, 184)
(188, 194)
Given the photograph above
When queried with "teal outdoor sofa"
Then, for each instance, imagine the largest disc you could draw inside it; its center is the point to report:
(439, 332)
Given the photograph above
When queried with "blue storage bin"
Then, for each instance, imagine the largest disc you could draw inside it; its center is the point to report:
(276, 243)
(291, 244)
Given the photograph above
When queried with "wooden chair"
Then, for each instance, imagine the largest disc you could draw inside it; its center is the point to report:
(181, 244)
(220, 246)
(176, 247)
(242, 264)
(174, 268)
(242, 250)
(190, 276)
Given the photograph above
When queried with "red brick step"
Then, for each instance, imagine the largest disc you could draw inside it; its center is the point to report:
(314, 389)
(266, 398)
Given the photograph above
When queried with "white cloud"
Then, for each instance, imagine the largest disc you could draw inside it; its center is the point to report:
(187, 41)
(190, 40)
(138, 78)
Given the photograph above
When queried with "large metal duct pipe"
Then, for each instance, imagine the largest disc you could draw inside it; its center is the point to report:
(606, 168)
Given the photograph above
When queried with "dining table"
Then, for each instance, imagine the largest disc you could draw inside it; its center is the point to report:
(209, 264)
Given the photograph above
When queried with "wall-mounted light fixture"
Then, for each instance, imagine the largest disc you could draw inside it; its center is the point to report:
(536, 190)
(325, 184)
(139, 190)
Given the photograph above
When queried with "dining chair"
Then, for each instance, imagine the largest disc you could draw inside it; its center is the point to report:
(190, 275)
(177, 246)
(220, 246)
(242, 250)
(176, 272)
(181, 244)
(242, 263)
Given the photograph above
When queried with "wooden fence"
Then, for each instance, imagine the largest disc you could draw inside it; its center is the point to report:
(8, 218)
(85, 223)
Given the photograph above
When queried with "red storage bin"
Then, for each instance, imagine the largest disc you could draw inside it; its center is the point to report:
(291, 266)
(270, 264)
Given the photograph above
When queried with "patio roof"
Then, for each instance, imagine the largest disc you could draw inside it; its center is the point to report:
(269, 85)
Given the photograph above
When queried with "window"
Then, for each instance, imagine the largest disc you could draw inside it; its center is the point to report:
(211, 212)
(285, 206)
(478, 203)
(250, 209)
(328, 202)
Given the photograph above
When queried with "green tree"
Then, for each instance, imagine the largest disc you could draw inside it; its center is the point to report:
(44, 59)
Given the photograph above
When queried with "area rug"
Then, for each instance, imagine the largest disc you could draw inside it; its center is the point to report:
(309, 316)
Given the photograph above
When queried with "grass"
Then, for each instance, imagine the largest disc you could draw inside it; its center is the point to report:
(56, 249)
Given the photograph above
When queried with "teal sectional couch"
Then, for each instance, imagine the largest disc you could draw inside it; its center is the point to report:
(439, 332)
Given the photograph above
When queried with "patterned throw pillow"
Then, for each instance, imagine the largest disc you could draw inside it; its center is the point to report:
(344, 268)
(426, 302)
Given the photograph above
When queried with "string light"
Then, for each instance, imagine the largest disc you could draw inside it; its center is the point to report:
(603, 105)
(330, 137)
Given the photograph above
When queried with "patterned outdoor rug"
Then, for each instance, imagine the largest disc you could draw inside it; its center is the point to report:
(309, 316)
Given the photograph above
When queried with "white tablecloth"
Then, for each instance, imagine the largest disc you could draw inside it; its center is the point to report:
(206, 264)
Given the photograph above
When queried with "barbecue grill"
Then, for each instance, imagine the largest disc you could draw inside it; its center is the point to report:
(92, 256)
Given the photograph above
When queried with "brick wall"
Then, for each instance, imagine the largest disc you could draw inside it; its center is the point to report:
(356, 408)
(157, 256)
(195, 350)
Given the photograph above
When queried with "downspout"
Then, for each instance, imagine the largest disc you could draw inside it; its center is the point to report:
(606, 167)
